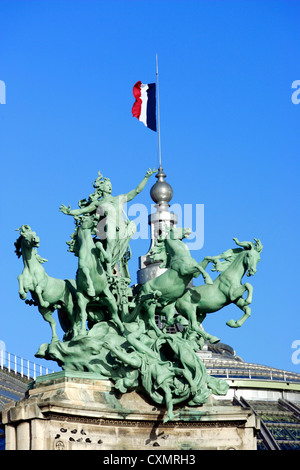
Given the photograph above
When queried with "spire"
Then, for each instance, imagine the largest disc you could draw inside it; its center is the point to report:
(161, 193)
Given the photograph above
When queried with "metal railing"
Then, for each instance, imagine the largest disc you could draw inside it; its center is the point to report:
(21, 367)
(252, 374)
(30, 370)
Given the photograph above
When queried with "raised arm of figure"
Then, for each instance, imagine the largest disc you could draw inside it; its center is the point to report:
(129, 196)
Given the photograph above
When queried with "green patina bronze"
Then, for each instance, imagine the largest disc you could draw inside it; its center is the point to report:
(109, 326)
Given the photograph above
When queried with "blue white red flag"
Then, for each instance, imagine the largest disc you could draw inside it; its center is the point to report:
(144, 107)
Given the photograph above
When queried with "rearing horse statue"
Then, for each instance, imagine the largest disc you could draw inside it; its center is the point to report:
(227, 288)
(92, 281)
(47, 293)
(158, 295)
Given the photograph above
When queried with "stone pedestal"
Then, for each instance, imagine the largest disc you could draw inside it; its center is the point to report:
(69, 411)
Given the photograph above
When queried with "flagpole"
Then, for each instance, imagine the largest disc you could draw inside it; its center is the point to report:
(158, 114)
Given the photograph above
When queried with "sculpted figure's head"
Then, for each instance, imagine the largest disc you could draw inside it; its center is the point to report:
(102, 185)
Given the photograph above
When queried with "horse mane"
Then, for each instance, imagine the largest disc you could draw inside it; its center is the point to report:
(18, 250)
(17, 244)
(228, 256)
(73, 243)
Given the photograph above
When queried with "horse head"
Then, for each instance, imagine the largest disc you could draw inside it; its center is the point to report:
(88, 222)
(27, 239)
(252, 254)
(177, 233)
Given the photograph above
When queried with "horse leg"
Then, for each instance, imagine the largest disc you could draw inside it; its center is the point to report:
(68, 304)
(207, 336)
(82, 301)
(140, 299)
(205, 275)
(133, 314)
(188, 309)
(113, 309)
(236, 293)
(90, 286)
(106, 256)
(42, 302)
(169, 312)
(191, 311)
(243, 305)
(250, 293)
(201, 317)
(47, 315)
(150, 308)
(22, 292)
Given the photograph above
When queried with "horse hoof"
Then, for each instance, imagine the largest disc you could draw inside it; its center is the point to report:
(157, 294)
(181, 320)
(214, 339)
(207, 279)
(232, 324)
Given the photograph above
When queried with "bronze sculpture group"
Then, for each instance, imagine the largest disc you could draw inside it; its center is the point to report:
(110, 327)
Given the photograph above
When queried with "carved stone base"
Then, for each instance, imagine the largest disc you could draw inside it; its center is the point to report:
(69, 411)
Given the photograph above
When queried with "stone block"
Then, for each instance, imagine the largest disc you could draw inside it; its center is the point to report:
(81, 412)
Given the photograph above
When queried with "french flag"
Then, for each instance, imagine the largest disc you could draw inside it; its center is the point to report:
(144, 107)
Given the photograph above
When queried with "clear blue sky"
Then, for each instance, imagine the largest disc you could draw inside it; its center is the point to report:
(229, 129)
